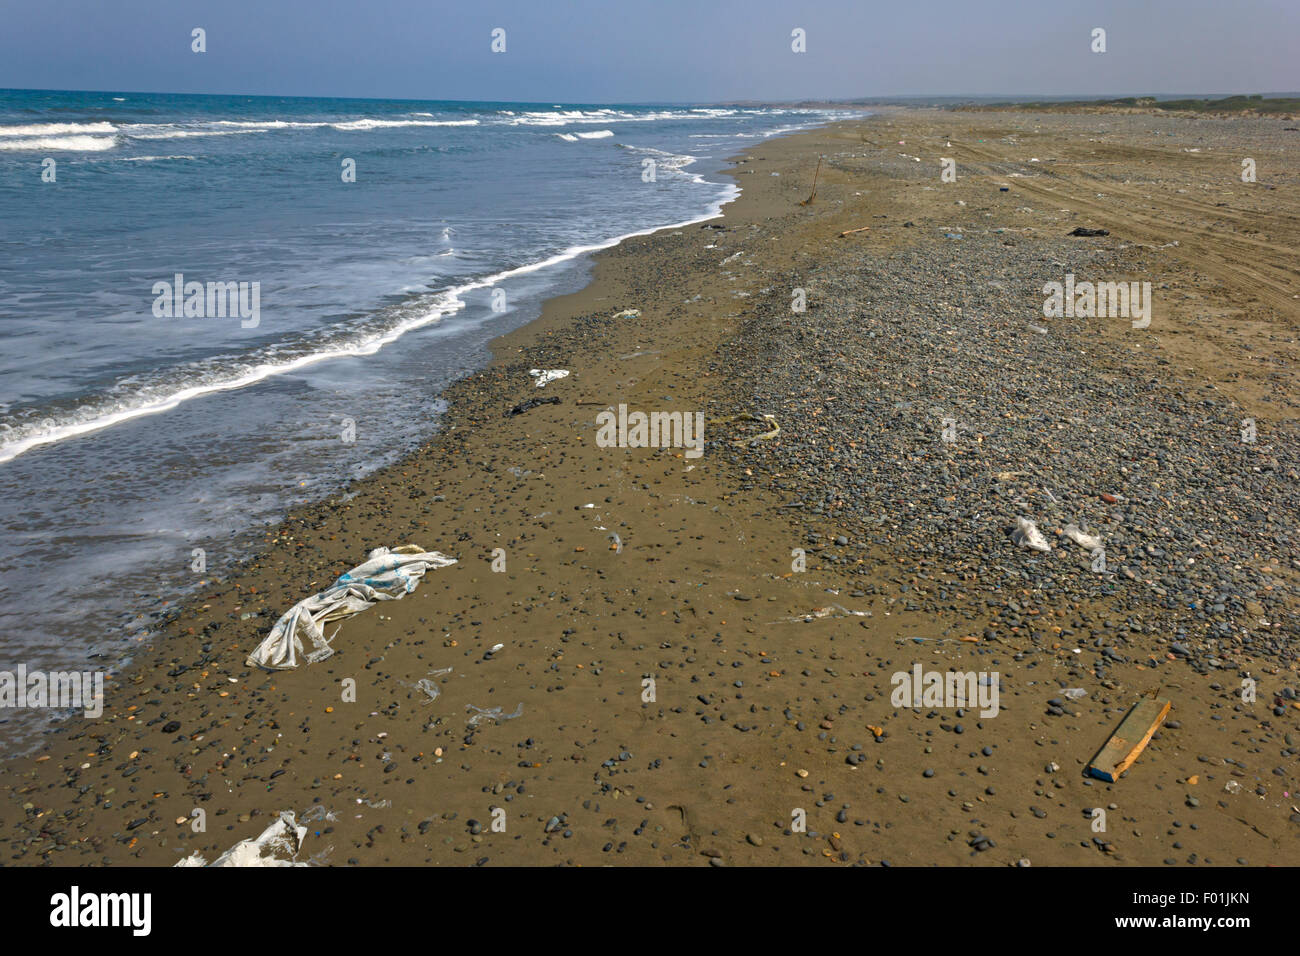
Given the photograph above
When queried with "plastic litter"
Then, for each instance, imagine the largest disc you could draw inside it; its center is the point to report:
(1027, 535)
(834, 610)
(278, 845)
(1074, 693)
(428, 686)
(544, 376)
(320, 814)
(385, 576)
(493, 713)
(532, 403)
(1089, 542)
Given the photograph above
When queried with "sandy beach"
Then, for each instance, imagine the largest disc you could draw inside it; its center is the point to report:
(692, 689)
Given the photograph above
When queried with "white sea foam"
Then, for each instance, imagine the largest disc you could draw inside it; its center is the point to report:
(600, 134)
(567, 137)
(674, 162)
(574, 117)
(244, 127)
(266, 124)
(83, 144)
(191, 133)
(56, 129)
(385, 124)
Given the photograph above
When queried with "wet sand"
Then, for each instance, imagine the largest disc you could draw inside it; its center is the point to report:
(763, 705)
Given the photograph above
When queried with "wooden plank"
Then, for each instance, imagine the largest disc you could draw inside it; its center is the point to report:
(1130, 738)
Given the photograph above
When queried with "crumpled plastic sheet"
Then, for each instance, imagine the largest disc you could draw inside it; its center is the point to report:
(428, 686)
(1027, 535)
(545, 376)
(278, 845)
(384, 576)
(493, 713)
(320, 814)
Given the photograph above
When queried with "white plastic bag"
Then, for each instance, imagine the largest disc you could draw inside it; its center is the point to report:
(385, 576)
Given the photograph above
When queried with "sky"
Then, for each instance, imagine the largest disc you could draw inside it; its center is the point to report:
(624, 51)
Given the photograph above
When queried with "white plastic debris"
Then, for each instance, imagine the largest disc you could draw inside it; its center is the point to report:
(833, 610)
(1027, 535)
(629, 313)
(278, 845)
(427, 685)
(1089, 542)
(492, 713)
(431, 689)
(547, 375)
(385, 576)
(320, 813)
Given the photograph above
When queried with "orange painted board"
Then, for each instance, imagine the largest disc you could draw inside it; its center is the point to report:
(1130, 738)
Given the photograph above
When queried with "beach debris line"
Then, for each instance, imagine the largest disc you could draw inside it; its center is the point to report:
(547, 375)
(1027, 535)
(1130, 738)
(386, 575)
(278, 845)
(531, 403)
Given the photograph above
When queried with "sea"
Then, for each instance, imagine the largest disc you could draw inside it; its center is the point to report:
(363, 254)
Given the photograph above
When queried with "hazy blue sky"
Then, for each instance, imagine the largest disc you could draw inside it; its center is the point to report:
(657, 50)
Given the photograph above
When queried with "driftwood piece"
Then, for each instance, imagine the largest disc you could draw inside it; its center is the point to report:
(813, 194)
(1130, 738)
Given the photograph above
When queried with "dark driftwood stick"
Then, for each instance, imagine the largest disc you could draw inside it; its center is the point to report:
(813, 195)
